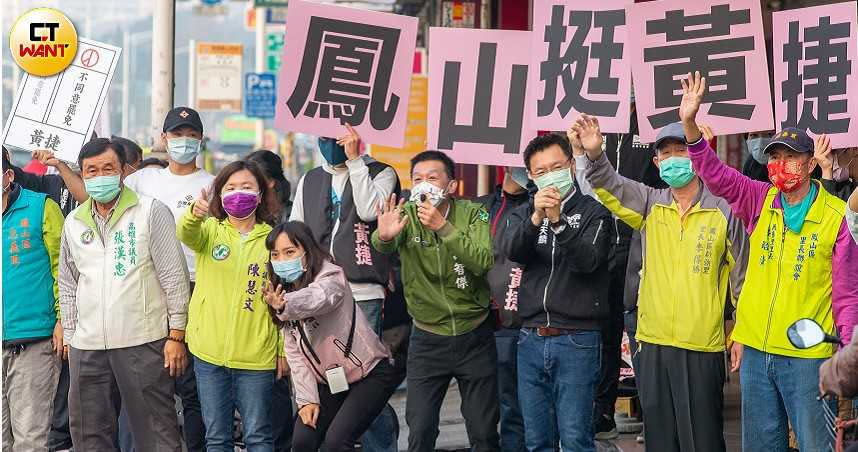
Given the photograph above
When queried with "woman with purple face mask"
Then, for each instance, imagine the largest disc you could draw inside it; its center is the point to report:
(237, 349)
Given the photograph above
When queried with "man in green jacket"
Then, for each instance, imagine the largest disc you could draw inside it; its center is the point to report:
(445, 247)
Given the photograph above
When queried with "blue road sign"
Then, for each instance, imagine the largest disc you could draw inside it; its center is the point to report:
(260, 97)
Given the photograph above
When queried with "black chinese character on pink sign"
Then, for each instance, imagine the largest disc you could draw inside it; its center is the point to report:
(479, 131)
(345, 73)
(570, 66)
(700, 40)
(826, 69)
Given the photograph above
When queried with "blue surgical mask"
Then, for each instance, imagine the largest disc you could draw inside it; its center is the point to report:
(333, 153)
(676, 171)
(102, 188)
(289, 270)
(756, 147)
(183, 150)
(519, 176)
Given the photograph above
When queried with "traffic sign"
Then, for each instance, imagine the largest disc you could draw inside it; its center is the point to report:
(217, 76)
(259, 95)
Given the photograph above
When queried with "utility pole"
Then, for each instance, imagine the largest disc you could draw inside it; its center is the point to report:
(163, 47)
(260, 67)
(126, 80)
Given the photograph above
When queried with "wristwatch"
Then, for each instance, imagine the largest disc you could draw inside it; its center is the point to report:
(561, 220)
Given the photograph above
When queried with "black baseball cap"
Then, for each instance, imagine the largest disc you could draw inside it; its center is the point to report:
(183, 116)
(795, 139)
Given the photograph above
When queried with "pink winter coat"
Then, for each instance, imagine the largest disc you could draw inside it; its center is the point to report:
(324, 309)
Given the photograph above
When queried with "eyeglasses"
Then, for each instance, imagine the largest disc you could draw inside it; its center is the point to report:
(566, 165)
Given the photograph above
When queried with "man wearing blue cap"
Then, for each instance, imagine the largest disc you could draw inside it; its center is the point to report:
(694, 250)
(802, 263)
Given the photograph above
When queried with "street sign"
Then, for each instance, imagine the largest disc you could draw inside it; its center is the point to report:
(275, 16)
(273, 49)
(218, 75)
(59, 112)
(270, 3)
(259, 95)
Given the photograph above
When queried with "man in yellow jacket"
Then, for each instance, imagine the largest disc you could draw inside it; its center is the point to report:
(694, 251)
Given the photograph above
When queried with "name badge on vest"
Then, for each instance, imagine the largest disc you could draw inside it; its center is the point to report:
(87, 237)
(336, 377)
(220, 252)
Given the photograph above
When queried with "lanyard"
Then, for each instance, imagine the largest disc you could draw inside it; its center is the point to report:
(348, 348)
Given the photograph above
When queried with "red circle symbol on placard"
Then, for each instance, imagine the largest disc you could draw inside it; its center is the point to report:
(89, 58)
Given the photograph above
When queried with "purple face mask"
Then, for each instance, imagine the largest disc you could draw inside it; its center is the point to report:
(240, 204)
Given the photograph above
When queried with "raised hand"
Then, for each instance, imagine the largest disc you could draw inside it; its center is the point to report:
(587, 128)
(46, 157)
(693, 90)
(707, 132)
(391, 218)
(351, 142)
(201, 205)
(574, 140)
(273, 296)
(823, 156)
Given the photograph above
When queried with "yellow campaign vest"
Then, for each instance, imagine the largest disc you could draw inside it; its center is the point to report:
(789, 277)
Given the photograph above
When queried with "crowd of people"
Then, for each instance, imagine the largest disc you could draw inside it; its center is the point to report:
(153, 280)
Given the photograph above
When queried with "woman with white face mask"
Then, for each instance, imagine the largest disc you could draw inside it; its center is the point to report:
(340, 368)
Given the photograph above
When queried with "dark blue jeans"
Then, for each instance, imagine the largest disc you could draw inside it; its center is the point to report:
(511, 423)
(777, 389)
(382, 433)
(221, 391)
(559, 372)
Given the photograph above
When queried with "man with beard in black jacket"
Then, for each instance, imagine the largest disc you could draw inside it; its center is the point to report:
(504, 280)
(563, 239)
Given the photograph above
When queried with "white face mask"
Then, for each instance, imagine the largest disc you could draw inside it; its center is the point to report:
(434, 194)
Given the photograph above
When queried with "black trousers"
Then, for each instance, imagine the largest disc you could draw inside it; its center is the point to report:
(433, 361)
(60, 436)
(682, 395)
(345, 416)
(612, 338)
(186, 388)
(282, 418)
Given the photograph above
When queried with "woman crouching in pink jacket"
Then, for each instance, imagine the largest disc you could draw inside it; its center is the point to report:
(340, 369)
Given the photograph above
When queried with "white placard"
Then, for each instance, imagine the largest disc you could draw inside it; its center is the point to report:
(218, 76)
(59, 112)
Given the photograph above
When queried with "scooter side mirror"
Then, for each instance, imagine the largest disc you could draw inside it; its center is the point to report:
(806, 333)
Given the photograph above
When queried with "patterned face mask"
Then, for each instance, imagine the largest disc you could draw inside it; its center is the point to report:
(787, 175)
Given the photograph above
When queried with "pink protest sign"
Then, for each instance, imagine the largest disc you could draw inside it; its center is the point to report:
(816, 79)
(579, 64)
(723, 39)
(477, 93)
(346, 65)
